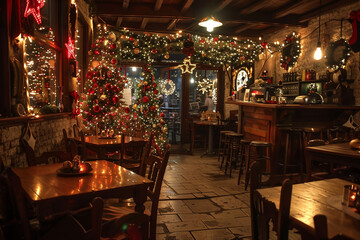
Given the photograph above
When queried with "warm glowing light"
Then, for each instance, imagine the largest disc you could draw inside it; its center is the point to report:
(318, 52)
(210, 23)
(134, 69)
(353, 197)
(71, 48)
(192, 80)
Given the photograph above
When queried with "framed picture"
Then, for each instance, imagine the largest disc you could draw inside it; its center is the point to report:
(246, 95)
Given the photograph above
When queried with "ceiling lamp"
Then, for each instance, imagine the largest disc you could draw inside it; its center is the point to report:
(318, 53)
(210, 23)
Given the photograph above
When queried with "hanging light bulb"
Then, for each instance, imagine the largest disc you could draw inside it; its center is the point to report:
(318, 52)
(133, 69)
(210, 23)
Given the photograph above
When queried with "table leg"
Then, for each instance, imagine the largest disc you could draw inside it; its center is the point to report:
(140, 198)
(308, 165)
(211, 133)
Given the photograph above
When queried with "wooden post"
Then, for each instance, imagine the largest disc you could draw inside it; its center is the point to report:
(185, 107)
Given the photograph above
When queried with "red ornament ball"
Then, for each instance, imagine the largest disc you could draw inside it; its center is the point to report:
(94, 80)
(131, 39)
(91, 91)
(93, 45)
(162, 114)
(89, 75)
(109, 74)
(108, 86)
(116, 89)
(145, 99)
(115, 99)
(147, 87)
(154, 51)
(97, 52)
(97, 108)
(216, 39)
(154, 85)
(127, 110)
(232, 43)
(152, 108)
(113, 61)
(202, 41)
(101, 90)
(156, 92)
(136, 50)
(113, 45)
(95, 85)
(264, 44)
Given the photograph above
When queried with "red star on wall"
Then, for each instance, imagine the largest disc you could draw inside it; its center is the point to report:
(71, 48)
(33, 7)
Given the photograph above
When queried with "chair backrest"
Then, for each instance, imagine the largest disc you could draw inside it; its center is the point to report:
(316, 142)
(84, 156)
(321, 229)
(262, 211)
(155, 171)
(76, 130)
(135, 147)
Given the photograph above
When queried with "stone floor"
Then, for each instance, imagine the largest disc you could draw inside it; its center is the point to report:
(199, 202)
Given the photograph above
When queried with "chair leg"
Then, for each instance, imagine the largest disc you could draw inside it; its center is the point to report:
(286, 159)
(247, 169)
(220, 150)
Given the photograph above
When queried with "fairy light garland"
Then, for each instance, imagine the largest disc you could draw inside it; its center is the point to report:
(165, 83)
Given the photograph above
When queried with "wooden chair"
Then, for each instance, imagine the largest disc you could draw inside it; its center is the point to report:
(152, 167)
(196, 136)
(70, 145)
(86, 154)
(131, 157)
(321, 229)
(262, 211)
(57, 226)
(76, 130)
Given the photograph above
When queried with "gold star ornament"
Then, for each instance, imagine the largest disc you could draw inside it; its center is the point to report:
(187, 66)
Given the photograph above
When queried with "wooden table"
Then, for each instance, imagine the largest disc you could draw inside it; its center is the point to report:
(210, 124)
(102, 146)
(340, 153)
(51, 193)
(309, 199)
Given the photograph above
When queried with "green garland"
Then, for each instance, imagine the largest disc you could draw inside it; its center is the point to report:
(335, 64)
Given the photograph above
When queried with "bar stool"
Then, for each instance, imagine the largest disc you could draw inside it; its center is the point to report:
(310, 131)
(294, 149)
(244, 155)
(221, 149)
(234, 146)
(260, 154)
(226, 151)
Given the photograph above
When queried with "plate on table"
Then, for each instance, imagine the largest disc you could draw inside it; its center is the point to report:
(68, 172)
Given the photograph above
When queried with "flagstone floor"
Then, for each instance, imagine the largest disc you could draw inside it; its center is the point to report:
(199, 202)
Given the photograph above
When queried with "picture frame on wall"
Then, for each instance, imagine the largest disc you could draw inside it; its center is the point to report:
(246, 95)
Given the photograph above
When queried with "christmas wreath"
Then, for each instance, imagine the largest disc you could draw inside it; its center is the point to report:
(167, 87)
(291, 51)
(337, 54)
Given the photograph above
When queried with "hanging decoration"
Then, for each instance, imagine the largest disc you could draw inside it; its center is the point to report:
(204, 85)
(33, 8)
(337, 54)
(188, 48)
(354, 41)
(290, 51)
(167, 87)
(187, 66)
(70, 48)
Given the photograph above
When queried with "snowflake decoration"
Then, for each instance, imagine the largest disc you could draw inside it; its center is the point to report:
(204, 85)
(187, 66)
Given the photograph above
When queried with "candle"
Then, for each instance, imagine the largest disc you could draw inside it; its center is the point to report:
(350, 195)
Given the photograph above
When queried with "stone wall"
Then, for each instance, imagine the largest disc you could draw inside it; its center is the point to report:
(330, 31)
(48, 133)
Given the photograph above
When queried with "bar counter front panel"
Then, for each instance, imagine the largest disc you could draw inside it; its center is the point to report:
(262, 122)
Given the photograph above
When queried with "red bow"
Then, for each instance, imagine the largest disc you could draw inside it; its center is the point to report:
(74, 95)
(355, 15)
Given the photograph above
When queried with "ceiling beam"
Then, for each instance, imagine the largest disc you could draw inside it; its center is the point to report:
(126, 4)
(255, 6)
(158, 5)
(171, 24)
(243, 28)
(144, 11)
(186, 5)
(324, 9)
(222, 5)
(118, 21)
(144, 22)
(292, 8)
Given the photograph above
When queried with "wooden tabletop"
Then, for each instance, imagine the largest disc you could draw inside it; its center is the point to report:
(41, 182)
(96, 140)
(206, 122)
(309, 199)
(339, 149)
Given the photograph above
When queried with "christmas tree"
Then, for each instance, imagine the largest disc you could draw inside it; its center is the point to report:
(146, 111)
(102, 105)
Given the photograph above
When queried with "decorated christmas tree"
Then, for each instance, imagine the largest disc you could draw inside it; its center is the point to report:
(102, 105)
(146, 111)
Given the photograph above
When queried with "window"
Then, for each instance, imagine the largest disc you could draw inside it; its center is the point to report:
(41, 62)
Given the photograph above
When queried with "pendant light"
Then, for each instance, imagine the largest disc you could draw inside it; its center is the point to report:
(318, 52)
(210, 23)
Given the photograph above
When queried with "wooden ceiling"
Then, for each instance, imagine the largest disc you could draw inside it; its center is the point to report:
(243, 18)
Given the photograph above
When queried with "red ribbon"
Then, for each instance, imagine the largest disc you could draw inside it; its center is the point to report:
(355, 15)
(354, 18)
(168, 73)
(74, 95)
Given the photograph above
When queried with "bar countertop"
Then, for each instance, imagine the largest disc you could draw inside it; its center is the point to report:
(292, 106)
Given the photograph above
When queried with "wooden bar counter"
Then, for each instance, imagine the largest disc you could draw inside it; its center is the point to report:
(262, 122)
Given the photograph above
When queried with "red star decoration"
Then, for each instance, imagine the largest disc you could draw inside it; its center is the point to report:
(33, 7)
(71, 49)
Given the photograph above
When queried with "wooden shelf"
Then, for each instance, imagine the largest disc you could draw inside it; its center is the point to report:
(290, 83)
